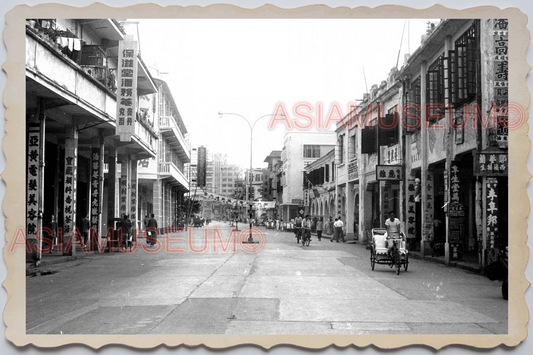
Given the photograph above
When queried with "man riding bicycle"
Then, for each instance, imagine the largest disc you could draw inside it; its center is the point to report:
(393, 226)
(298, 228)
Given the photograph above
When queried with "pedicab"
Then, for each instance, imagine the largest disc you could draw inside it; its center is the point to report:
(379, 252)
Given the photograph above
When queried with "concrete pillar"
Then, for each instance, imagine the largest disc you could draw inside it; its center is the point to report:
(157, 202)
(70, 186)
(111, 185)
(427, 222)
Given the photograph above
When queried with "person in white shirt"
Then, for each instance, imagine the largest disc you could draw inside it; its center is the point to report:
(393, 225)
(338, 233)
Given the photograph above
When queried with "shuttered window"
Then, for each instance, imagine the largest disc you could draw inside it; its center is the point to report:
(466, 64)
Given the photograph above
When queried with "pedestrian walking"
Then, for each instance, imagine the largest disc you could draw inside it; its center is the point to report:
(85, 229)
(126, 227)
(340, 226)
(151, 231)
(319, 227)
(335, 235)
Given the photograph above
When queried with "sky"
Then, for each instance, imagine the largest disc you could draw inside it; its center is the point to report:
(251, 66)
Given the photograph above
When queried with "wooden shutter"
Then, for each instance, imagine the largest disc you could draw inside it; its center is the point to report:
(368, 140)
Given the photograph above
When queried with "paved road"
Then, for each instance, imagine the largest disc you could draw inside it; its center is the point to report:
(284, 288)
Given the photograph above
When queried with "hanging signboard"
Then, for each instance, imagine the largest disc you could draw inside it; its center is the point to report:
(389, 172)
(33, 181)
(491, 164)
(353, 170)
(95, 189)
(126, 89)
(411, 209)
(492, 211)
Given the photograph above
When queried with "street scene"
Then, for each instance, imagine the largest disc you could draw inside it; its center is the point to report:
(171, 191)
(283, 288)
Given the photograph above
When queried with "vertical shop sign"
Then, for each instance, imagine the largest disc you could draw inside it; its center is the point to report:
(411, 209)
(69, 212)
(95, 189)
(492, 211)
(123, 194)
(32, 189)
(133, 200)
(454, 183)
(126, 89)
(428, 219)
(501, 77)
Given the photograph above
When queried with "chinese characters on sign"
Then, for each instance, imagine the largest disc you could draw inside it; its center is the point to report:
(123, 194)
(411, 209)
(392, 154)
(95, 189)
(126, 89)
(492, 211)
(428, 213)
(501, 77)
(353, 170)
(456, 215)
(133, 200)
(71, 165)
(389, 172)
(454, 183)
(491, 164)
(32, 208)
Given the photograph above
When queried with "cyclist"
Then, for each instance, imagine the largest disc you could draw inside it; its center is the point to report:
(307, 228)
(393, 225)
(298, 228)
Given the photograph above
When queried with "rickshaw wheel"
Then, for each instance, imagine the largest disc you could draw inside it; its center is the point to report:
(398, 263)
(372, 258)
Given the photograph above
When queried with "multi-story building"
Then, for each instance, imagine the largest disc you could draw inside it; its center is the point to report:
(270, 188)
(85, 84)
(319, 188)
(299, 150)
(163, 181)
(433, 143)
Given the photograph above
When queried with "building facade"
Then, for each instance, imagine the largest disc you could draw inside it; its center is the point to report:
(299, 150)
(163, 180)
(85, 133)
(432, 144)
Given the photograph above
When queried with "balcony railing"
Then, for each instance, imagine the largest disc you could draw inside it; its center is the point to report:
(170, 170)
(168, 122)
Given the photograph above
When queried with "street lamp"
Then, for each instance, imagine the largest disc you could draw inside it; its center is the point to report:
(251, 126)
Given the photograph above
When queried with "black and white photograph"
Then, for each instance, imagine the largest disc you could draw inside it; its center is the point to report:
(231, 176)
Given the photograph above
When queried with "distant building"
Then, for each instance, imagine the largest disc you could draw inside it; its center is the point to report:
(299, 150)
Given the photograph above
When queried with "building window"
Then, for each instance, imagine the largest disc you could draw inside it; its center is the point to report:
(327, 172)
(341, 149)
(465, 62)
(311, 151)
(435, 82)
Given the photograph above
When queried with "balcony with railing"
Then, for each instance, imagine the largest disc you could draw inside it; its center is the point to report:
(168, 171)
(170, 130)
